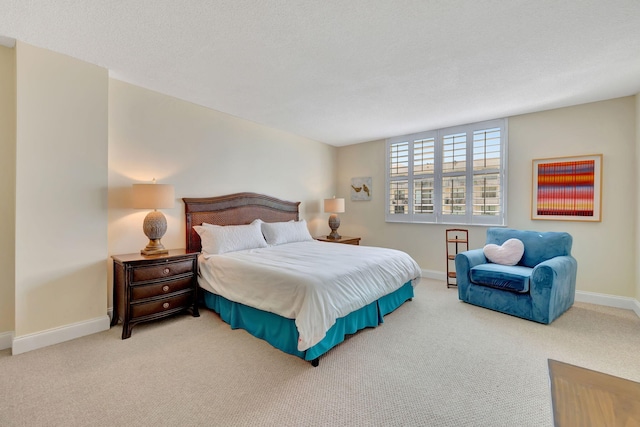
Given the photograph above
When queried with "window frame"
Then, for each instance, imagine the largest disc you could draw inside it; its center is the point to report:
(438, 217)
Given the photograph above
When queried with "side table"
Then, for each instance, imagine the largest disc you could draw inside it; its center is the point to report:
(152, 287)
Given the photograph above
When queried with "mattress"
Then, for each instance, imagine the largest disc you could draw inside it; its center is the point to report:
(311, 282)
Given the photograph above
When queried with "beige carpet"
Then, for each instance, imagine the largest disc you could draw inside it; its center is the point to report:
(434, 362)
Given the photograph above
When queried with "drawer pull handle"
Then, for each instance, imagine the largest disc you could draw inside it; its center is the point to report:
(166, 271)
(165, 305)
(165, 288)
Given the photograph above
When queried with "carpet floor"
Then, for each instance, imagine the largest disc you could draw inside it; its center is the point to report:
(435, 361)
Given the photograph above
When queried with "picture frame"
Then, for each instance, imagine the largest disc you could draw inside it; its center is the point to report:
(361, 189)
(567, 188)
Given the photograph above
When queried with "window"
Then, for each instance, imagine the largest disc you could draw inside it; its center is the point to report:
(449, 176)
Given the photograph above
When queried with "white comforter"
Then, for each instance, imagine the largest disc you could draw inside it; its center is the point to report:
(313, 282)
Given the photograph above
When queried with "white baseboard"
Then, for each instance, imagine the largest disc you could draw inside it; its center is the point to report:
(581, 296)
(5, 340)
(609, 300)
(433, 274)
(49, 337)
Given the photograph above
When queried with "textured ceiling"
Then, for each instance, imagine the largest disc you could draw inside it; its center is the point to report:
(344, 72)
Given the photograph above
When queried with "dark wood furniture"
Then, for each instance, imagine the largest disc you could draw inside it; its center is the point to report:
(582, 397)
(344, 239)
(457, 240)
(152, 287)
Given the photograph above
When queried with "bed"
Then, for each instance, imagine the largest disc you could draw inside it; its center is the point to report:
(273, 288)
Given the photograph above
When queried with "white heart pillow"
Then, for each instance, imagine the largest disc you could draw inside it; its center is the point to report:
(509, 253)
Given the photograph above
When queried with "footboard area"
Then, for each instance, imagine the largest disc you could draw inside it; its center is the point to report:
(282, 333)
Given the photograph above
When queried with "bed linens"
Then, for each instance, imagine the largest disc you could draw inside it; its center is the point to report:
(313, 282)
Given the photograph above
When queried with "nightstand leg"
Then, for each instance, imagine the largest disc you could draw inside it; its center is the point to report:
(126, 330)
(196, 303)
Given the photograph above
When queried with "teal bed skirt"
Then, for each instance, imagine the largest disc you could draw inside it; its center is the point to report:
(282, 333)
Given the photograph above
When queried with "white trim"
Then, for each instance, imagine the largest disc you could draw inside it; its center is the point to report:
(49, 337)
(609, 300)
(5, 340)
(433, 274)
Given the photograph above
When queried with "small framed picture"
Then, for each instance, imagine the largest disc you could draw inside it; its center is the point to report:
(567, 188)
(361, 188)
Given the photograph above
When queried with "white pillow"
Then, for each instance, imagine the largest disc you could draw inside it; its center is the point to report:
(218, 239)
(509, 253)
(278, 233)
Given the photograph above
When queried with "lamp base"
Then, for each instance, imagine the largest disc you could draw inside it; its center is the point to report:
(152, 253)
(154, 248)
(334, 223)
(154, 226)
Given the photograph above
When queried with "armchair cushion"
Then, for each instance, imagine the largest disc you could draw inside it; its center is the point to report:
(510, 278)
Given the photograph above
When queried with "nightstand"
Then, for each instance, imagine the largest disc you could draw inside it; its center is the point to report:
(344, 239)
(152, 287)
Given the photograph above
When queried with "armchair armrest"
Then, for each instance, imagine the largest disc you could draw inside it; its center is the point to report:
(465, 261)
(553, 286)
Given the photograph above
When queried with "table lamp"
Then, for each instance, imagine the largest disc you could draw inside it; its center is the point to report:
(154, 196)
(334, 206)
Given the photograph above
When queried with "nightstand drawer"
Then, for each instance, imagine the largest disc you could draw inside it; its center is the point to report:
(159, 271)
(158, 306)
(163, 288)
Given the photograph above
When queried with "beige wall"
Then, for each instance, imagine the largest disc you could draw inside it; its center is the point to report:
(606, 251)
(7, 186)
(203, 153)
(61, 191)
(637, 175)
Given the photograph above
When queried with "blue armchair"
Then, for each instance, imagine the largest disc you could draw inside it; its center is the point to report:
(540, 287)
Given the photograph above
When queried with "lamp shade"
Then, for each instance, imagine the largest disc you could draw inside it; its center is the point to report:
(153, 196)
(334, 205)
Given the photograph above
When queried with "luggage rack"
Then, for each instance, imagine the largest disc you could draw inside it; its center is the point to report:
(457, 240)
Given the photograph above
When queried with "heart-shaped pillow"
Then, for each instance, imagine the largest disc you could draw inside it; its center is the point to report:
(509, 253)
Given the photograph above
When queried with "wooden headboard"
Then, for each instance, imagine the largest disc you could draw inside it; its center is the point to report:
(234, 209)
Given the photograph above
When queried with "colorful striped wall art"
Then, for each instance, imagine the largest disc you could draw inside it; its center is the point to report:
(567, 188)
